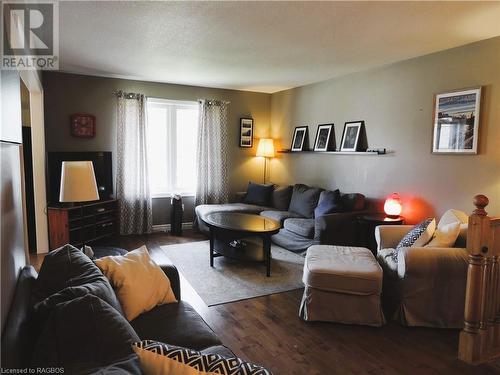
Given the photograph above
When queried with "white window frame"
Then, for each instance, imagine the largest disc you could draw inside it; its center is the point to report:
(172, 146)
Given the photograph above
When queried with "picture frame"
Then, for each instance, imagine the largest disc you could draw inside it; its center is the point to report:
(325, 138)
(456, 122)
(350, 135)
(300, 136)
(246, 132)
(83, 125)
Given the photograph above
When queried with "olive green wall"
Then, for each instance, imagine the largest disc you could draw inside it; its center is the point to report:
(396, 103)
(66, 94)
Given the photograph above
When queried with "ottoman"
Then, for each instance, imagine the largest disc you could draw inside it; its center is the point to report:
(342, 284)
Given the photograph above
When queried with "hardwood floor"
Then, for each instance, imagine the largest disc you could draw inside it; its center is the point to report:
(267, 330)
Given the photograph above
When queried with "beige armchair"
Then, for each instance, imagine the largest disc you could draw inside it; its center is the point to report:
(426, 287)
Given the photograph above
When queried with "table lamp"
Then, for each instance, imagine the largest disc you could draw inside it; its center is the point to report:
(265, 149)
(78, 182)
(392, 206)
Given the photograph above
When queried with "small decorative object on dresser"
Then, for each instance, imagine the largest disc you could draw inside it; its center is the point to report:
(350, 136)
(325, 138)
(82, 125)
(246, 132)
(456, 122)
(300, 138)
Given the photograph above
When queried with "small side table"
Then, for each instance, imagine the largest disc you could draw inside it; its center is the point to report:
(367, 225)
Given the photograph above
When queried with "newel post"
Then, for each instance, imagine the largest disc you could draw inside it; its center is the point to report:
(470, 349)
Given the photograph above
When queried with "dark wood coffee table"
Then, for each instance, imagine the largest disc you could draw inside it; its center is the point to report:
(234, 235)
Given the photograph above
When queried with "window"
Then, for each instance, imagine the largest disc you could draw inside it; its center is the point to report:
(172, 137)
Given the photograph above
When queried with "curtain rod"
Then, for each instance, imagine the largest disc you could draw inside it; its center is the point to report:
(126, 95)
(214, 101)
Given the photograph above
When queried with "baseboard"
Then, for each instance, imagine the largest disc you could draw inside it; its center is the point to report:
(166, 227)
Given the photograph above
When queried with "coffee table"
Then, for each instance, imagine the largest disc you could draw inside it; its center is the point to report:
(234, 235)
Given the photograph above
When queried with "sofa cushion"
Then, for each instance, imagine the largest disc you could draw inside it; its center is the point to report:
(352, 202)
(279, 216)
(304, 200)
(158, 358)
(302, 227)
(176, 323)
(280, 198)
(258, 194)
(351, 270)
(329, 202)
(84, 333)
(130, 365)
(205, 209)
(139, 282)
(65, 274)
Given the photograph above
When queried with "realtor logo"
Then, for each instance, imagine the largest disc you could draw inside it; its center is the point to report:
(30, 35)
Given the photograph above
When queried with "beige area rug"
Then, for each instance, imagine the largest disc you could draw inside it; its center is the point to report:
(232, 280)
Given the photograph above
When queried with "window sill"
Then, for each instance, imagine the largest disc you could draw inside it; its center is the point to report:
(170, 195)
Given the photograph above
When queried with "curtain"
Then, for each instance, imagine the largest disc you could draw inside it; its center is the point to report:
(132, 182)
(212, 154)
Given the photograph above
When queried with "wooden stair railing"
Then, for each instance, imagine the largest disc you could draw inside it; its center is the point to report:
(480, 338)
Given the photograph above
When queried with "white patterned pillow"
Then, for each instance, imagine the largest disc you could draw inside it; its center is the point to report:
(162, 359)
(418, 236)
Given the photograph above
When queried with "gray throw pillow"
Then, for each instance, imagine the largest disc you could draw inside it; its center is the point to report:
(281, 196)
(304, 200)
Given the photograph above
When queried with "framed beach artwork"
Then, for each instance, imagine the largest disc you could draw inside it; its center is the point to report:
(350, 136)
(246, 132)
(325, 138)
(456, 122)
(299, 138)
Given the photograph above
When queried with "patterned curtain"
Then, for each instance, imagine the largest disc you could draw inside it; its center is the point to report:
(132, 182)
(212, 153)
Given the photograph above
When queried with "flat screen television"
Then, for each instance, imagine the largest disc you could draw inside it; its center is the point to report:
(101, 161)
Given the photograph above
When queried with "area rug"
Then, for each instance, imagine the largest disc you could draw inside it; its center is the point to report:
(232, 280)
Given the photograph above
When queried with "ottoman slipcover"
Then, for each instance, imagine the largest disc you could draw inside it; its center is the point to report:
(342, 284)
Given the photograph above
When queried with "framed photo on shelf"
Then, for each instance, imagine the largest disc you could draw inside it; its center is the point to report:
(246, 132)
(350, 136)
(299, 138)
(325, 138)
(456, 122)
(82, 125)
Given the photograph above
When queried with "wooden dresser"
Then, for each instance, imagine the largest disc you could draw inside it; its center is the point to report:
(82, 224)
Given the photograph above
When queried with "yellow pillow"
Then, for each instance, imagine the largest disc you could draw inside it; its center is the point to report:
(139, 283)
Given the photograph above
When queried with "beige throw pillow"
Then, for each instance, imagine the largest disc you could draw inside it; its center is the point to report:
(445, 236)
(139, 283)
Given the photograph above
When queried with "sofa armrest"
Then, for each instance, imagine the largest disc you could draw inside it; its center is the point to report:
(338, 228)
(433, 263)
(388, 236)
(173, 275)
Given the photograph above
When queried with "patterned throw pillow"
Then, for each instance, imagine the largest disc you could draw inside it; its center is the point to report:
(162, 359)
(419, 235)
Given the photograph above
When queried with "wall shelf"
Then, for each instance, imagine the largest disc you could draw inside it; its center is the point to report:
(364, 153)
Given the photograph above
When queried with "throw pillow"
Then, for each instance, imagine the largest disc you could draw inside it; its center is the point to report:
(82, 334)
(162, 359)
(139, 282)
(419, 235)
(280, 199)
(445, 236)
(304, 200)
(258, 194)
(65, 274)
(329, 202)
(453, 216)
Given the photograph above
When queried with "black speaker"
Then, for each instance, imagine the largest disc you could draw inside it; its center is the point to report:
(176, 214)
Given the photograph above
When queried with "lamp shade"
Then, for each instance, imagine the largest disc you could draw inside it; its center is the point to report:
(392, 206)
(78, 182)
(265, 148)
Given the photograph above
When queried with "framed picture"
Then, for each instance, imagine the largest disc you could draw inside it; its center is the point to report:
(325, 138)
(299, 138)
(246, 132)
(82, 125)
(456, 122)
(350, 136)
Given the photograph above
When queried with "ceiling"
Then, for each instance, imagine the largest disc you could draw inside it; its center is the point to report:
(260, 46)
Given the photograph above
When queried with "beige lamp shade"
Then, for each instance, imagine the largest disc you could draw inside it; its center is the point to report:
(265, 148)
(78, 182)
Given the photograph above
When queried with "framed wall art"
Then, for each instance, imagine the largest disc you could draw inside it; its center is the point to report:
(325, 138)
(82, 125)
(456, 122)
(350, 136)
(299, 138)
(246, 132)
